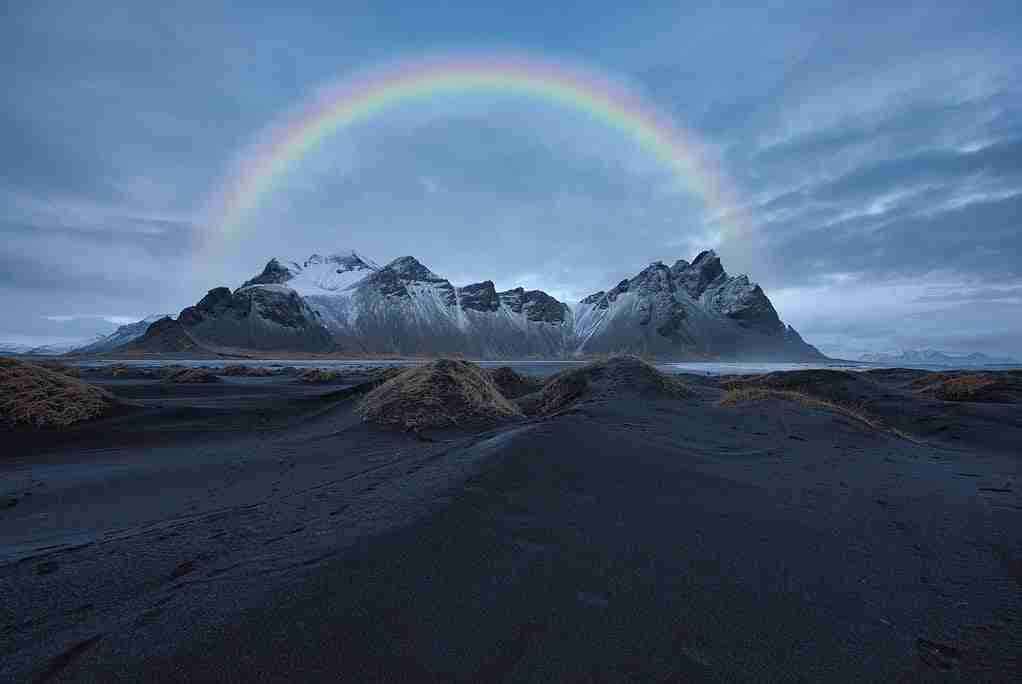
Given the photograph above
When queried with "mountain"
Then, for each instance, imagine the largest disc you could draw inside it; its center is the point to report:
(346, 303)
(688, 310)
(262, 317)
(932, 357)
(53, 349)
(120, 337)
(14, 348)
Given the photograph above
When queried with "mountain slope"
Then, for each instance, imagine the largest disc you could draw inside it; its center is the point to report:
(123, 335)
(261, 317)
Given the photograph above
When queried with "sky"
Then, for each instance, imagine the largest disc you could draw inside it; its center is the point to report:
(874, 157)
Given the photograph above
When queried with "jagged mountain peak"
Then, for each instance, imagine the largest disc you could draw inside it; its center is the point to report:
(704, 270)
(479, 296)
(410, 268)
(537, 305)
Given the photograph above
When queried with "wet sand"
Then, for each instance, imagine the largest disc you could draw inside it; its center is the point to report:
(255, 529)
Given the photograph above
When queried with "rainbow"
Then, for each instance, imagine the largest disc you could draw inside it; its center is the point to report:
(373, 92)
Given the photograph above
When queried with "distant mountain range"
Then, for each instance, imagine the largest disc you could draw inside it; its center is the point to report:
(346, 303)
(932, 357)
(55, 349)
(120, 337)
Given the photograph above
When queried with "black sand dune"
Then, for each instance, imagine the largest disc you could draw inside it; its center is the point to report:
(257, 529)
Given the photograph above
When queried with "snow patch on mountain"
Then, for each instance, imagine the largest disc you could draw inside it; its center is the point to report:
(316, 275)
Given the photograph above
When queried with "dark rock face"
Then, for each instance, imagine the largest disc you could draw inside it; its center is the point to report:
(512, 299)
(393, 280)
(480, 296)
(265, 317)
(274, 274)
(389, 283)
(216, 302)
(537, 305)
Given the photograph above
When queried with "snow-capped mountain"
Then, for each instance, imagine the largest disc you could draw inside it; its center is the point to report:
(14, 348)
(932, 357)
(120, 337)
(687, 311)
(347, 303)
(51, 349)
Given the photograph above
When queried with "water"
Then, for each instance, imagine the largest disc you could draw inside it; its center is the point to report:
(532, 367)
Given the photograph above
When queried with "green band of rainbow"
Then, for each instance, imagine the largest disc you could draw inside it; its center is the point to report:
(362, 98)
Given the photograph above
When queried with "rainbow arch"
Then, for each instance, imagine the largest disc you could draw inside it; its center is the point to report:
(373, 92)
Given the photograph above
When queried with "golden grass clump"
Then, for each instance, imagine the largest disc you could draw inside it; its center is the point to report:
(737, 395)
(600, 379)
(513, 384)
(320, 375)
(32, 395)
(437, 394)
(1002, 386)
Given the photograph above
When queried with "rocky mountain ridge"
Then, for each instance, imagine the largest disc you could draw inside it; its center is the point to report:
(346, 303)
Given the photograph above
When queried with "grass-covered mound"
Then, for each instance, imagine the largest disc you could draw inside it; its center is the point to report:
(603, 379)
(123, 371)
(437, 394)
(849, 394)
(993, 386)
(190, 376)
(513, 384)
(240, 370)
(820, 384)
(33, 395)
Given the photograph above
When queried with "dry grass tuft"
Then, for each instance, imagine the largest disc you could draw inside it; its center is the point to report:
(738, 394)
(601, 379)
(970, 386)
(513, 384)
(320, 375)
(190, 376)
(239, 370)
(441, 393)
(33, 395)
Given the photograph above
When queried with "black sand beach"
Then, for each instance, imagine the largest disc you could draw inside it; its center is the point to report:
(256, 529)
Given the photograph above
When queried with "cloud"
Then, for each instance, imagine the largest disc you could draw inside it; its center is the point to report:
(984, 294)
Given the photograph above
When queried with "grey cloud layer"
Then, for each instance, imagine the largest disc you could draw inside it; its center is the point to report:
(868, 144)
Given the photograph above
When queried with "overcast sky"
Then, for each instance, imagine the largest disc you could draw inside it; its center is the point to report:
(876, 155)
